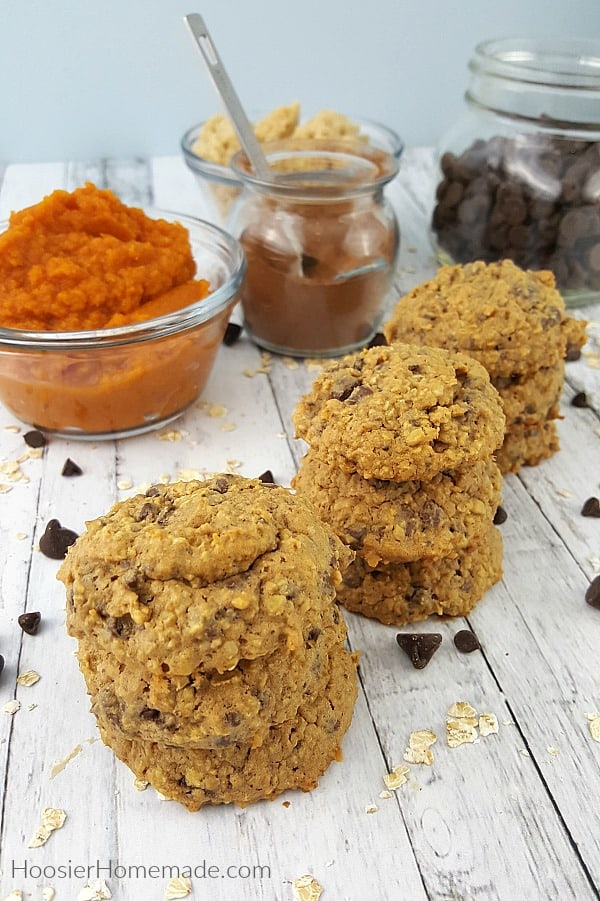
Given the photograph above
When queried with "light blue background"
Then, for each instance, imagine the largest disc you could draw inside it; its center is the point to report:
(81, 79)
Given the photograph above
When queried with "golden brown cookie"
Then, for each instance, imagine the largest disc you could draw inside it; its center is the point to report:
(401, 412)
(527, 445)
(209, 709)
(510, 319)
(295, 754)
(394, 522)
(201, 575)
(530, 399)
(398, 593)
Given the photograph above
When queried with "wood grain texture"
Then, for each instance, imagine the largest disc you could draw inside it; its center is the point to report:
(514, 814)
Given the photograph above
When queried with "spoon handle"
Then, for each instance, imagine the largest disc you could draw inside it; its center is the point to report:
(225, 88)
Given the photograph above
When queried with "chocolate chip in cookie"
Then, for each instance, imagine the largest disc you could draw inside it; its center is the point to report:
(56, 540)
(419, 646)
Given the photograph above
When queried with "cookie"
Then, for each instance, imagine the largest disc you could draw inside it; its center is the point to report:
(201, 575)
(398, 593)
(401, 412)
(527, 445)
(393, 522)
(208, 709)
(295, 754)
(530, 399)
(511, 320)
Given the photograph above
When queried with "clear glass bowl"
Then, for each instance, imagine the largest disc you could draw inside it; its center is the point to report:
(114, 382)
(225, 185)
(321, 243)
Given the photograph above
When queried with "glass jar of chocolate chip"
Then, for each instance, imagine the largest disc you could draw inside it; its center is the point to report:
(518, 175)
(321, 242)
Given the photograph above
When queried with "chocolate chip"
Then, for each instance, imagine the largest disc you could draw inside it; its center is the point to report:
(221, 485)
(70, 468)
(35, 438)
(150, 713)
(500, 516)
(420, 646)
(146, 511)
(232, 333)
(592, 595)
(591, 507)
(1, 664)
(232, 718)
(466, 641)
(572, 354)
(30, 622)
(378, 340)
(56, 540)
(266, 477)
(579, 399)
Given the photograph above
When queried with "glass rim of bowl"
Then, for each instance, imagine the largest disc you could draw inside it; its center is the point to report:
(173, 323)
(341, 168)
(390, 141)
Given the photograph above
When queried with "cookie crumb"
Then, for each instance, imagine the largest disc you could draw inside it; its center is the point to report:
(52, 818)
(30, 622)
(393, 780)
(306, 888)
(178, 887)
(419, 646)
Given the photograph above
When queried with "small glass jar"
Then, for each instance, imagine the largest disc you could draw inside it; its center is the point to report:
(321, 243)
(519, 173)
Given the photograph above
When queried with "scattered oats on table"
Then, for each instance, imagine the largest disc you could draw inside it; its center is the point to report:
(393, 780)
(178, 887)
(97, 890)
(48, 893)
(169, 435)
(12, 706)
(306, 888)
(371, 808)
(52, 818)
(28, 677)
(488, 724)
(140, 784)
(15, 895)
(594, 721)
(419, 747)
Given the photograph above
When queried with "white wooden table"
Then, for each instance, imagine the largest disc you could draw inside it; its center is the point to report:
(516, 814)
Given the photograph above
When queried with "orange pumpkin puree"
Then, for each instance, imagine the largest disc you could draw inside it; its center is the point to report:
(83, 260)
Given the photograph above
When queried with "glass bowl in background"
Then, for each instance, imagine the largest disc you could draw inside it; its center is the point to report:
(225, 186)
(114, 382)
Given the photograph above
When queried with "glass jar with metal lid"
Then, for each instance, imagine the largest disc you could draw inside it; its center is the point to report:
(519, 174)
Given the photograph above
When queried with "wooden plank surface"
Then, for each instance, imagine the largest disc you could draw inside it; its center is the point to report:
(515, 813)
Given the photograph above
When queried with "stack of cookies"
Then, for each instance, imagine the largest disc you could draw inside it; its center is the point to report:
(210, 640)
(401, 466)
(514, 322)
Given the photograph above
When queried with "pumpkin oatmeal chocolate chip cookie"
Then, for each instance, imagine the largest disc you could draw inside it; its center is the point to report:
(398, 593)
(527, 445)
(206, 709)
(393, 522)
(401, 412)
(201, 574)
(511, 320)
(295, 754)
(207, 625)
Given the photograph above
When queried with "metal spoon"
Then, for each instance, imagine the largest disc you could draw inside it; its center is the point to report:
(225, 89)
